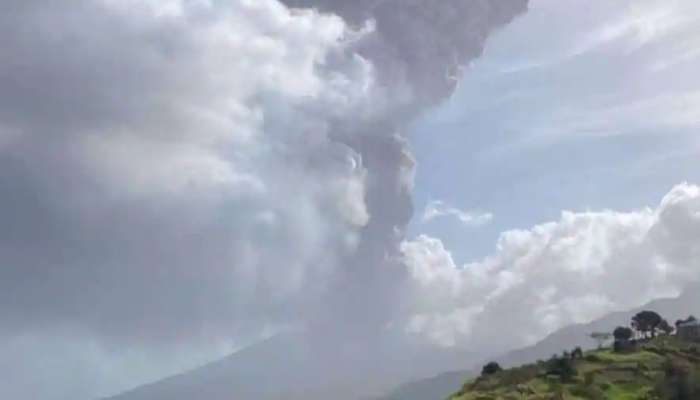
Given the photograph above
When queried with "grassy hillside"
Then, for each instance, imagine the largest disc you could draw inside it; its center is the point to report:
(438, 387)
(664, 368)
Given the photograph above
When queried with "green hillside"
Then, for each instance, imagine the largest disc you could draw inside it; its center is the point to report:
(662, 368)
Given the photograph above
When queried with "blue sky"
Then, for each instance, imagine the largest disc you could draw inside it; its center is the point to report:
(568, 109)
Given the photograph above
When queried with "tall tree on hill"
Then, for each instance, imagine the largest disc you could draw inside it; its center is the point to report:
(646, 322)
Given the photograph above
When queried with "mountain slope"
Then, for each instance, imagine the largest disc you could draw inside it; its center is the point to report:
(435, 388)
(578, 335)
(304, 366)
(311, 367)
(664, 368)
(438, 387)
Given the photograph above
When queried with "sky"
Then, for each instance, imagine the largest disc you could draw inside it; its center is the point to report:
(572, 107)
(179, 179)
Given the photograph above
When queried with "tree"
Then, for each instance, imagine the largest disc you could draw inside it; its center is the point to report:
(491, 368)
(601, 338)
(665, 328)
(577, 353)
(646, 322)
(622, 339)
(623, 333)
(684, 321)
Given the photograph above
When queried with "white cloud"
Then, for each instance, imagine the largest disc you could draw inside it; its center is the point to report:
(438, 209)
(572, 270)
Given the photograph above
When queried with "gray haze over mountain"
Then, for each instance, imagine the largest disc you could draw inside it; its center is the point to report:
(291, 355)
(295, 367)
(181, 173)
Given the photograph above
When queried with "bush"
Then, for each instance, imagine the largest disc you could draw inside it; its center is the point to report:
(621, 346)
(519, 375)
(593, 358)
(563, 368)
(588, 392)
(577, 353)
(589, 378)
(623, 333)
(490, 369)
(678, 383)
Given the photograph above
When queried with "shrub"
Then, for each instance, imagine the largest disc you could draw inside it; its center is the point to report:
(593, 358)
(589, 378)
(519, 375)
(490, 369)
(623, 333)
(563, 368)
(588, 392)
(577, 353)
(678, 383)
(621, 346)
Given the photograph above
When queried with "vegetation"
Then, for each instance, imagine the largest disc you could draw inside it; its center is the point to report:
(664, 368)
(653, 367)
(647, 322)
(683, 321)
(491, 368)
(665, 327)
(623, 333)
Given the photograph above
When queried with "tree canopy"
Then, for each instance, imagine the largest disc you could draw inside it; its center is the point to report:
(646, 322)
(623, 333)
(665, 327)
(491, 368)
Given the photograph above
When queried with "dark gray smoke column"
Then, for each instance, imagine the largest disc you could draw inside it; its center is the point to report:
(417, 48)
(420, 45)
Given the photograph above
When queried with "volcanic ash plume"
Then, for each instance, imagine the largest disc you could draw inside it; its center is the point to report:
(417, 50)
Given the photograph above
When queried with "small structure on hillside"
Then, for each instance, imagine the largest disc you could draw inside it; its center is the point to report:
(688, 330)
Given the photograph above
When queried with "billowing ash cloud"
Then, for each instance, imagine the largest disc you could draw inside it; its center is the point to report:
(179, 170)
(166, 169)
(420, 48)
(170, 165)
(417, 53)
